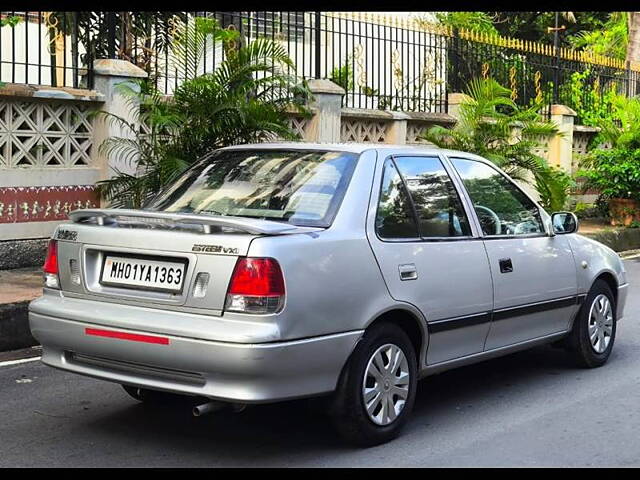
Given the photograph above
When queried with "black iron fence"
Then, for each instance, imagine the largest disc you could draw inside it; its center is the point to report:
(58, 48)
(382, 62)
(539, 74)
(43, 48)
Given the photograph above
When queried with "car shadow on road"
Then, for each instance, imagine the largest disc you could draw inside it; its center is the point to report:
(277, 432)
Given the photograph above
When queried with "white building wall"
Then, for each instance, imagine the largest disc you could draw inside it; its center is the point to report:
(26, 46)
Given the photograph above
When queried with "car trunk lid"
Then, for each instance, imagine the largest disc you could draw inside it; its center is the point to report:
(192, 246)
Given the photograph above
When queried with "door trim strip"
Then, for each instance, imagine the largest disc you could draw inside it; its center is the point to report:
(459, 322)
(510, 312)
(453, 323)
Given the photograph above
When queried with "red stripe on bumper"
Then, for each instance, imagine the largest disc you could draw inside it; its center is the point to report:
(127, 336)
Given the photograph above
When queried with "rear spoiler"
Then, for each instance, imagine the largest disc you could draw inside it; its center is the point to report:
(105, 216)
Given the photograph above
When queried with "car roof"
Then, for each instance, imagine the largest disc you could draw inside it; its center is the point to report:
(354, 148)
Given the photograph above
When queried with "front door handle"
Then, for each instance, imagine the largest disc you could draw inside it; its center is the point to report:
(408, 271)
(505, 265)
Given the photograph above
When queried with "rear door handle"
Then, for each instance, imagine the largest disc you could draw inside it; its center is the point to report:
(505, 265)
(408, 271)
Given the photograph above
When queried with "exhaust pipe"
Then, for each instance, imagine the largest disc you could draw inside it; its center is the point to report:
(238, 407)
(208, 407)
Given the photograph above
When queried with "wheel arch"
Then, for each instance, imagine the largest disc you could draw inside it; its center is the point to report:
(610, 279)
(411, 321)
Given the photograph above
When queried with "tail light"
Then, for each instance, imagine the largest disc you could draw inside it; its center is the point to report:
(50, 268)
(257, 286)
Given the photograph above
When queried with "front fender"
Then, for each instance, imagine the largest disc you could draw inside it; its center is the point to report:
(592, 259)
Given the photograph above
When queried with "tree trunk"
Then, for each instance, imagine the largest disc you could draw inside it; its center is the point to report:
(633, 49)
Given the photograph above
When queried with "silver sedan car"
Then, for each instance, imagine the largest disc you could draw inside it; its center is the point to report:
(280, 271)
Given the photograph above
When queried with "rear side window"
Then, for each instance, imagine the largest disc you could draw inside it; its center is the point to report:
(418, 199)
(438, 206)
(395, 217)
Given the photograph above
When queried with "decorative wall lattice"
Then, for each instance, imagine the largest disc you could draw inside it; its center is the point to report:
(581, 141)
(299, 125)
(415, 131)
(362, 130)
(39, 134)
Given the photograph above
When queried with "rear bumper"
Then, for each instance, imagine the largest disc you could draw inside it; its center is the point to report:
(244, 373)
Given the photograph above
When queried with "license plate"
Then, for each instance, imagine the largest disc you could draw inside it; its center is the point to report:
(143, 274)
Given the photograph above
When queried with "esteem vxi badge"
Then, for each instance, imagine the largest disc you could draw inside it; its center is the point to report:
(68, 235)
(215, 249)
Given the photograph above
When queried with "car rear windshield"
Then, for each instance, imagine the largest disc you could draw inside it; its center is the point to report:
(301, 187)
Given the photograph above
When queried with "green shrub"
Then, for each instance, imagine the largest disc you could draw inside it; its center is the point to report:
(598, 209)
(615, 173)
(343, 76)
(592, 102)
(634, 224)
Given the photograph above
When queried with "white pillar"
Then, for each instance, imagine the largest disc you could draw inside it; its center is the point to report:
(397, 129)
(455, 100)
(561, 146)
(327, 105)
(109, 75)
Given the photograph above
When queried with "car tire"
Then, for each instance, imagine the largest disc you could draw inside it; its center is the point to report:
(379, 344)
(594, 328)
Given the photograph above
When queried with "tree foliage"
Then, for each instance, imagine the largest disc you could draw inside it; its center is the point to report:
(533, 25)
(481, 22)
(602, 33)
(139, 36)
(10, 21)
(610, 40)
(592, 102)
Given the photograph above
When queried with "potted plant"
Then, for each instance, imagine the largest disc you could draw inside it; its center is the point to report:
(615, 172)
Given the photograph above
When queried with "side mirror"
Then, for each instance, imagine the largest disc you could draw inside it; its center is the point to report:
(564, 222)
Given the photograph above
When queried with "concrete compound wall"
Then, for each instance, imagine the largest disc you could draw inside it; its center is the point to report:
(49, 156)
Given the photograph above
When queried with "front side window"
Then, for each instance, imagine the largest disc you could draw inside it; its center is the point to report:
(502, 208)
(301, 187)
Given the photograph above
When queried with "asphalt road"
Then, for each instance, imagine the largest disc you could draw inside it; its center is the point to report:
(529, 409)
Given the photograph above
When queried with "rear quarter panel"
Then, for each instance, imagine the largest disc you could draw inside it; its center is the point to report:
(333, 283)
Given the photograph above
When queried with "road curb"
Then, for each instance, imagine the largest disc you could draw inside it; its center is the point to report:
(628, 254)
(14, 326)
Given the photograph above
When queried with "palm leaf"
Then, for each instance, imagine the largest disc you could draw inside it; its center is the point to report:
(491, 125)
